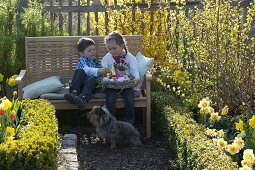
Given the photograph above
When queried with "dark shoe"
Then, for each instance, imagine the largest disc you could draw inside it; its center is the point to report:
(80, 101)
(70, 97)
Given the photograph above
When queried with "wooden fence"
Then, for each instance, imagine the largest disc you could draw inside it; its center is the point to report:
(74, 16)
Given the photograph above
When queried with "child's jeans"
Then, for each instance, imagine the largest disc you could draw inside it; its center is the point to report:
(83, 84)
(128, 96)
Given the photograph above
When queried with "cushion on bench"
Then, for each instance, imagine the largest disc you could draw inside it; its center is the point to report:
(47, 85)
(144, 64)
(59, 95)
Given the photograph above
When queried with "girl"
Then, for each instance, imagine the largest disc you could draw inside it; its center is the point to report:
(117, 53)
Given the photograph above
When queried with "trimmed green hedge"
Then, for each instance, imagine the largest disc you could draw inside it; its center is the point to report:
(38, 140)
(185, 136)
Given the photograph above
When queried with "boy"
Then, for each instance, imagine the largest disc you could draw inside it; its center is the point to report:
(87, 70)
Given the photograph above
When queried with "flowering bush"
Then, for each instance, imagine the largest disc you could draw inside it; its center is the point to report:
(7, 86)
(8, 117)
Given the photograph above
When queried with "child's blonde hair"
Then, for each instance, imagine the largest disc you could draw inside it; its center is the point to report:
(120, 40)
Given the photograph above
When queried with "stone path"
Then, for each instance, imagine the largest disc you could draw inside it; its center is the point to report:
(68, 154)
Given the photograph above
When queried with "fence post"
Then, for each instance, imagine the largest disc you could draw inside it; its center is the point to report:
(70, 19)
(20, 9)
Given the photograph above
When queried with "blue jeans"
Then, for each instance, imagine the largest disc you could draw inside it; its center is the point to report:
(128, 96)
(83, 84)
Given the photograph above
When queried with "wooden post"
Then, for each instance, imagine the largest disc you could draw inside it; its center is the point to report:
(106, 18)
(70, 20)
(60, 18)
(88, 18)
(79, 19)
(51, 19)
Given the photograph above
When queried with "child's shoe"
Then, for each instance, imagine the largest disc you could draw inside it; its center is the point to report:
(80, 101)
(70, 96)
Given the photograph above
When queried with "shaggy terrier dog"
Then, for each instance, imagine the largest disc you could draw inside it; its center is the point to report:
(118, 132)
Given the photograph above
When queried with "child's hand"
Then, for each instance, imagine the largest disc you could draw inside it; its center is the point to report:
(103, 71)
(135, 82)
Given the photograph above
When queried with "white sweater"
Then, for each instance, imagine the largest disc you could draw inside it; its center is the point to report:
(108, 61)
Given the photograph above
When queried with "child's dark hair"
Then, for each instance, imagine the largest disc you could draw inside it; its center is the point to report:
(120, 40)
(83, 43)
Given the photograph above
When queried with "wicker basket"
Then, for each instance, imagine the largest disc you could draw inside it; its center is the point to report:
(115, 84)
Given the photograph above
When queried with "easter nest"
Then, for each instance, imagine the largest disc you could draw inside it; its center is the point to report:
(119, 83)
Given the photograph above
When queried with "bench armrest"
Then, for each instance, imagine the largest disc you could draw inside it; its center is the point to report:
(148, 76)
(21, 82)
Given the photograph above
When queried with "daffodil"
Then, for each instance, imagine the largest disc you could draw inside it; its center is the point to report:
(232, 149)
(224, 111)
(6, 104)
(204, 103)
(207, 109)
(222, 143)
(252, 122)
(215, 116)
(248, 156)
(245, 167)
(239, 142)
(239, 126)
(11, 82)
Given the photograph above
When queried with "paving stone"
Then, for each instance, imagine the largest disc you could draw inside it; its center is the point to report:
(68, 154)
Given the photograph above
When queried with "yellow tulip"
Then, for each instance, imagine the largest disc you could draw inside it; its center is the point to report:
(252, 122)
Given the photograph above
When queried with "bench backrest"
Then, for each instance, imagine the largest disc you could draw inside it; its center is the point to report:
(57, 55)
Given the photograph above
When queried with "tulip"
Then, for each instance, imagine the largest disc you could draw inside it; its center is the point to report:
(13, 115)
(1, 111)
(15, 94)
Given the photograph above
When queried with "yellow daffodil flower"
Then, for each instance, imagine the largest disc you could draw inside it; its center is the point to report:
(248, 157)
(215, 116)
(239, 142)
(232, 149)
(224, 111)
(221, 143)
(239, 126)
(245, 167)
(205, 102)
(11, 82)
(207, 109)
(6, 104)
(252, 122)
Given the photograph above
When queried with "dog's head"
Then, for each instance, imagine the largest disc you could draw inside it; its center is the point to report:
(98, 115)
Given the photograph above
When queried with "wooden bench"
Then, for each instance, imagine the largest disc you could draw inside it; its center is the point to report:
(57, 55)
